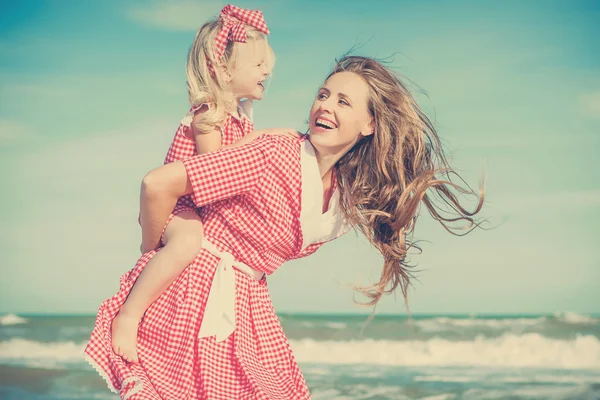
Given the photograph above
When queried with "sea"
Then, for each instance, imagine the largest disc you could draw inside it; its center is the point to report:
(427, 357)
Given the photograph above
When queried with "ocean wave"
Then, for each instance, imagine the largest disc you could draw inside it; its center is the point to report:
(525, 379)
(528, 350)
(446, 323)
(575, 318)
(42, 355)
(443, 324)
(12, 319)
(336, 325)
(550, 392)
(326, 324)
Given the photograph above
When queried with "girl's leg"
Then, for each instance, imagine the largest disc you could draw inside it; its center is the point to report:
(183, 241)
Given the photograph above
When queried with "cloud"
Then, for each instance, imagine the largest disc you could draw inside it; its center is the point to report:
(584, 198)
(562, 201)
(62, 106)
(11, 131)
(76, 220)
(590, 104)
(73, 212)
(183, 15)
(79, 86)
(495, 141)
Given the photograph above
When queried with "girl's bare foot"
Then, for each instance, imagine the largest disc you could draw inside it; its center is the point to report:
(124, 336)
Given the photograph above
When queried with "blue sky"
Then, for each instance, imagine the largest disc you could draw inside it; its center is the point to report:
(91, 94)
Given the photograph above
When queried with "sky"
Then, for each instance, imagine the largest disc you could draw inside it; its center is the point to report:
(91, 94)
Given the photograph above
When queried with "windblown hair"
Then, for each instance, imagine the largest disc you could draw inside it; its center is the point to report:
(384, 178)
(208, 87)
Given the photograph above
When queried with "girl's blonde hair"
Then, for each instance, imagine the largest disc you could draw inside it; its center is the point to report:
(206, 86)
(386, 176)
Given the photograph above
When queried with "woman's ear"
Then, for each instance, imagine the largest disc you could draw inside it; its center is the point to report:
(369, 128)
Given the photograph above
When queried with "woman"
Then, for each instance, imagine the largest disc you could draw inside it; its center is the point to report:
(369, 159)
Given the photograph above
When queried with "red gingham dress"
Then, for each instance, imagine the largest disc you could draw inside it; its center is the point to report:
(183, 145)
(259, 211)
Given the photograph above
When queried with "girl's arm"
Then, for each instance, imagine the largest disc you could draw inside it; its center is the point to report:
(161, 188)
(208, 178)
(205, 142)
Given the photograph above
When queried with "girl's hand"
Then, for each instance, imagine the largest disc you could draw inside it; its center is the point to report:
(289, 132)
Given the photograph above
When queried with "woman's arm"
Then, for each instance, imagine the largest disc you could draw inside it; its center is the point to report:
(208, 178)
(160, 190)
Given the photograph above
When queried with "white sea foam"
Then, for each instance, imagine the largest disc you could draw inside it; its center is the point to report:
(444, 323)
(336, 325)
(575, 318)
(443, 396)
(548, 392)
(330, 325)
(552, 379)
(446, 378)
(529, 350)
(38, 354)
(441, 324)
(522, 379)
(12, 319)
(365, 392)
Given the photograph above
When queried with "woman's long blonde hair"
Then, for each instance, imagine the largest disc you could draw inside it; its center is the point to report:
(208, 87)
(384, 178)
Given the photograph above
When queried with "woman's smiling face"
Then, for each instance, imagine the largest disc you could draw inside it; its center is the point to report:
(340, 115)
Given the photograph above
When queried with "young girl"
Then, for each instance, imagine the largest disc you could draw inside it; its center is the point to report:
(372, 158)
(229, 60)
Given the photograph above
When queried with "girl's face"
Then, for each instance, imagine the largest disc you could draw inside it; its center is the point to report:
(251, 70)
(339, 115)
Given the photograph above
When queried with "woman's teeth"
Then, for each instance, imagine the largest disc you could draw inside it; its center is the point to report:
(322, 123)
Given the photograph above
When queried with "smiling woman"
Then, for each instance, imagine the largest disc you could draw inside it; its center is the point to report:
(397, 164)
(367, 163)
(340, 110)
